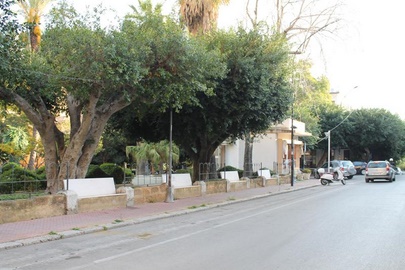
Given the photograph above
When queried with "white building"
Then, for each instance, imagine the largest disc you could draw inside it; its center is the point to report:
(271, 150)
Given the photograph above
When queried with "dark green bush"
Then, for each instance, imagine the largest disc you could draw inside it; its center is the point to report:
(95, 171)
(19, 179)
(190, 171)
(114, 171)
(10, 166)
(41, 172)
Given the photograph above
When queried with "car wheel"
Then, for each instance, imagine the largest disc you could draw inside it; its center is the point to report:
(367, 180)
(350, 177)
(363, 172)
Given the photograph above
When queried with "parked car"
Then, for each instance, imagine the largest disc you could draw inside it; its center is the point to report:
(346, 166)
(360, 167)
(381, 169)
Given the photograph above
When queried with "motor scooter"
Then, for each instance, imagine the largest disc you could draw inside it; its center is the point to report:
(329, 177)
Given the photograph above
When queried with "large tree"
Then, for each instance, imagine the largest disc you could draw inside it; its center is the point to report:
(91, 73)
(300, 21)
(311, 96)
(376, 134)
(254, 94)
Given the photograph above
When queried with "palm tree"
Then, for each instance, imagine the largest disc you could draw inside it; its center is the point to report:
(33, 10)
(156, 153)
(200, 16)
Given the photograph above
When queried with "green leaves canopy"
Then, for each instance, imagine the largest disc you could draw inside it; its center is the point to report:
(92, 73)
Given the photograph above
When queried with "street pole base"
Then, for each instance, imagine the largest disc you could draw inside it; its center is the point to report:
(169, 195)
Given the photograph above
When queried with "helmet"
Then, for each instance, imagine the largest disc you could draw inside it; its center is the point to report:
(391, 159)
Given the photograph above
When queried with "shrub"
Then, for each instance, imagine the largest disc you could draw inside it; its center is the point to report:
(184, 171)
(95, 171)
(10, 166)
(19, 179)
(41, 173)
(114, 171)
(306, 170)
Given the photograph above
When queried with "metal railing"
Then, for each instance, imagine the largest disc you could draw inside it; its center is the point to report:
(211, 171)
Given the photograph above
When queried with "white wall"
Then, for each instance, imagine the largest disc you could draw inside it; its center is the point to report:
(264, 151)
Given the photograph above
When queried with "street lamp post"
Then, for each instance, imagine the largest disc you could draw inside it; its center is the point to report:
(292, 152)
(169, 197)
(327, 134)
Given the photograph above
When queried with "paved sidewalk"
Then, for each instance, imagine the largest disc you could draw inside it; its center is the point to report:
(23, 233)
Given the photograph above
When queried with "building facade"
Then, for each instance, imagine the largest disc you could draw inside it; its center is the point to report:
(272, 150)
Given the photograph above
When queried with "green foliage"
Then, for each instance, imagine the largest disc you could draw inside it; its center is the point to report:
(16, 178)
(376, 134)
(311, 95)
(114, 171)
(108, 170)
(188, 170)
(128, 173)
(334, 118)
(10, 49)
(95, 171)
(41, 173)
(9, 166)
(254, 94)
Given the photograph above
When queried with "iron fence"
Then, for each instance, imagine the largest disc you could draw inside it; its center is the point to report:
(15, 179)
(211, 171)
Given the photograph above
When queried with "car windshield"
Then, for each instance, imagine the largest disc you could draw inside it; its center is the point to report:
(377, 165)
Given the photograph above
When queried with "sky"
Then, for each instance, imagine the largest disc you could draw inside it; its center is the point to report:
(363, 60)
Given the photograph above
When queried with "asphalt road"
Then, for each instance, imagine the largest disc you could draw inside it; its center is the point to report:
(357, 226)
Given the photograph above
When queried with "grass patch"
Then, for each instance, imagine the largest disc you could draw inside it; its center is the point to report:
(197, 206)
(52, 233)
(76, 229)
(20, 196)
(118, 221)
(231, 199)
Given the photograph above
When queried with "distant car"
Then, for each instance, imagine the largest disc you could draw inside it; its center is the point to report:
(381, 169)
(360, 167)
(346, 167)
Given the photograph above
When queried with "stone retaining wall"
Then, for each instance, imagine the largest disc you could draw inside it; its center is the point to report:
(37, 207)
(55, 205)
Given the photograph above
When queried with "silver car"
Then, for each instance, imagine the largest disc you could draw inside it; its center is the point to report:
(379, 170)
(345, 166)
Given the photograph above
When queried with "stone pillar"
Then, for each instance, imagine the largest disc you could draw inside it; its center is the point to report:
(263, 181)
(228, 185)
(72, 206)
(130, 195)
(203, 187)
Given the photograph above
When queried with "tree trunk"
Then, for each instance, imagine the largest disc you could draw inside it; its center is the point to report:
(248, 159)
(33, 153)
(213, 168)
(71, 160)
